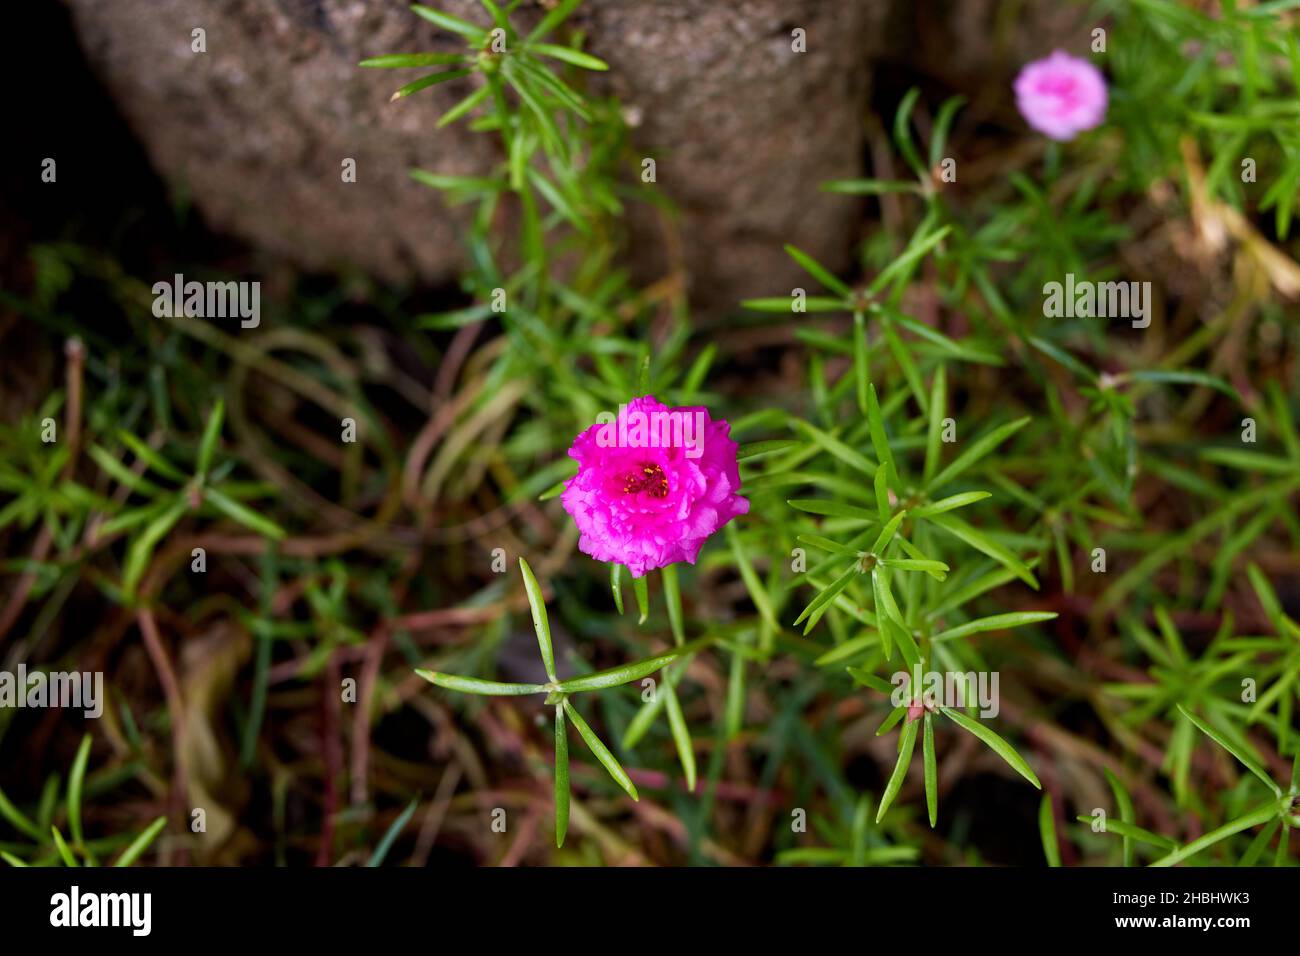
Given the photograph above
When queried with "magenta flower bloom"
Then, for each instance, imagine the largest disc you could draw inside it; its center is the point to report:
(653, 484)
(1061, 95)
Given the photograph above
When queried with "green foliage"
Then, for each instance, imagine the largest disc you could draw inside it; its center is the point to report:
(872, 551)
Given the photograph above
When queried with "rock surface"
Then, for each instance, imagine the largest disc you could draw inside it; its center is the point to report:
(256, 129)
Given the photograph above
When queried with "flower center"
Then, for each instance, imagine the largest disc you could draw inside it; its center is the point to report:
(649, 478)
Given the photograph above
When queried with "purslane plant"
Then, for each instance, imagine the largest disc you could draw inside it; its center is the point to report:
(879, 553)
(1134, 447)
(558, 693)
(49, 845)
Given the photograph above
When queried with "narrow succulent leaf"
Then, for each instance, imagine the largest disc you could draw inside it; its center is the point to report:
(600, 751)
(931, 771)
(475, 685)
(141, 843)
(541, 623)
(1242, 757)
(900, 768)
(76, 781)
(616, 585)
(681, 733)
(451, 24)
(1047, 831)
(615, 676)
(995, 622)
(211, 434)
(673, 601)
(641, 588)
(996, 743)
(561, 777)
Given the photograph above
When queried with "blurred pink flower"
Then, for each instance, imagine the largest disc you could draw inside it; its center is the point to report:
(1061, 96)
(653, 484)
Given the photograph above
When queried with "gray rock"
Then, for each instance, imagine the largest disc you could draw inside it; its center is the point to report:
(255, 130)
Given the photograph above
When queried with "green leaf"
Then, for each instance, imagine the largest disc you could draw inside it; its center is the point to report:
(76, 780)
(1047, 831)
(1267, 597)
(996, 743)
(756, 449)
(641, 588)
(17, 818)
(477, 184)
(934, 432)
(900, 768)
(879, 440)
(561, 777)
(868, 187)
(673, 599)
(1184, 377)
(890, 617)
(424, 82)
(141, 843)
(1130, 832)
(819, 271)
(950, 503)
(681, 733)
(757, 593)
(553, 19)
(826, 544)
(881, 487)
(915, 251)
(569, 55)
(122, 474)
(1249, 461)
(151, 457)
(785, 303)
(615, 676)
(981, 447)
(243, 514)
(832, 509)
(464, 106)
(1253, 819)
(904, 359)
(392, 833)
(937, 568)
(861, 362)
(942, 124)
(496, 13)
(1124, 803)
(61, 845)
(601, 752)
(895, 715)
(474, 685)
(867, 679)
(1064, 357)
(1242, 757)
(826, 596)
(887, 533)
(931, 772)
(837, 448)
(450, 23)
(397, 61)
(208, 443)
(903, 134)
(537, 604)
(964, 532)
(963, 350)
(141, 549)
(995, 622)
(616, 585)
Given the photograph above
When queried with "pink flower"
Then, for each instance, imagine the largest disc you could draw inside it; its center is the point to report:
(653, 484)
(1061, 95)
